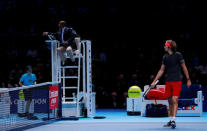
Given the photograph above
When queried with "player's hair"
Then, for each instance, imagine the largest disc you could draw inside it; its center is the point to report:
(29, 68)
(173, 45)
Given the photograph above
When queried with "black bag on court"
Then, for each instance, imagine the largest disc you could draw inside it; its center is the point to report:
(156, 110)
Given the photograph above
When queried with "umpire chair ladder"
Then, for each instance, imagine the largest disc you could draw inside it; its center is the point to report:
(77, 97)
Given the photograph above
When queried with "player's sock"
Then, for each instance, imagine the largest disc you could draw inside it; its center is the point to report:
(172, 119)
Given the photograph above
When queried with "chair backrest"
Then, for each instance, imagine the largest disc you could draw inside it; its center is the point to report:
(190, 92)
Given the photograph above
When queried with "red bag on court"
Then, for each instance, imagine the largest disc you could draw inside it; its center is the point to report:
(156, 94)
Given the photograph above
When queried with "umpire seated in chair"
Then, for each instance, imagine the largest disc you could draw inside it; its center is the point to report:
(69, 41)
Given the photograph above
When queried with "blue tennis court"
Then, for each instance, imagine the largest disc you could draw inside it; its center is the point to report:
(117, 119)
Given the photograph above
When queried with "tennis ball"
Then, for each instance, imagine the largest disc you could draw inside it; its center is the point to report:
(134, 92)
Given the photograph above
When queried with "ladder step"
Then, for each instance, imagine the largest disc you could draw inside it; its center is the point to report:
(70, 87)
(69, 102)
(69, 67)
(74, 56)
(73, 77)
(68, 98)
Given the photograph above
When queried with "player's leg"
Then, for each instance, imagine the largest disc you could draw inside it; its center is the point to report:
(168, 94)
(170, 112)
(28, 102)
(28, 99)
(20, 104)
(29, 105)
(176, 89)
(175, 105)
(174, 112)
(69, 52)
(61, 50)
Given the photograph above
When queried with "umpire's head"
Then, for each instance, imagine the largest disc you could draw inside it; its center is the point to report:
(62, 24)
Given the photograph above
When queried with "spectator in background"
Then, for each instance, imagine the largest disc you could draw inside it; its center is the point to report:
(196, 61)
(3, 85)
(119, 91)
(12, 82)
(102, 56)
(16, 72)
(133, 80)
(32, 53)
(102, 97)
(203, 72)
(14, 75)
(151, 77)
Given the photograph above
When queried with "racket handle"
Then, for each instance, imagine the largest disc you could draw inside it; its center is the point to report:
(156, 82)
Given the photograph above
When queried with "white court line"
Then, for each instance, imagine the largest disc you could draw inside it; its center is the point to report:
(118, 126)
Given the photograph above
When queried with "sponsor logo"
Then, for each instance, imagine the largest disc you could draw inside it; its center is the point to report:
(187, 108)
